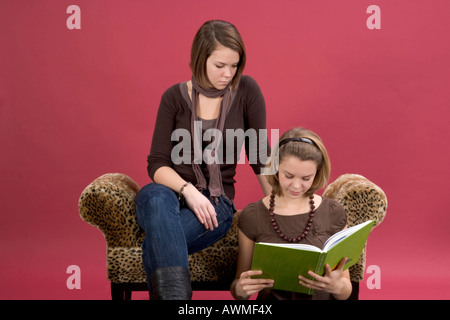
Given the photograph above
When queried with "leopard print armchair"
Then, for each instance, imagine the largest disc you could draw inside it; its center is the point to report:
(108, 203)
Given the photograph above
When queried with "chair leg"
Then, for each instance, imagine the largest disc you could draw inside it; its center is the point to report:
(123, 291)
(127, 294)
(118, 292)
(355, 291)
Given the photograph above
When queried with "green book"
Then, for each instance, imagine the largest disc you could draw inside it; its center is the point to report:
(285, 262)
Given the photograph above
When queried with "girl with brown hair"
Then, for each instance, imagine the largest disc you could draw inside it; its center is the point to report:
(293, 213)
(189, 206)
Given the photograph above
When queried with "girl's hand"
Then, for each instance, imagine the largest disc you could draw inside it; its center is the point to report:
(333, 281)
(201, 206)
(247, 286)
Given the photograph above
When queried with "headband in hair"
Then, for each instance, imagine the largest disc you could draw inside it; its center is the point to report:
(306, 140)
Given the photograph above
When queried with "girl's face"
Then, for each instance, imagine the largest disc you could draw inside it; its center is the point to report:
(296, 176)
(221, 66)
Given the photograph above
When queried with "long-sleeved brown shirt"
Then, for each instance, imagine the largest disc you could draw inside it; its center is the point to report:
(246, 116)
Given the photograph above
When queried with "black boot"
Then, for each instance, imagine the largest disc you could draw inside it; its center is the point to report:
(171, 283)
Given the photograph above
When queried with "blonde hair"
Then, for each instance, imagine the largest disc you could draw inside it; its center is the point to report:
(305, 145)
(211, 34)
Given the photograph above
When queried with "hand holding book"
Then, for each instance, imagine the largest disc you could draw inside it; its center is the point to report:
(332, 281)
(248, 286)
(285, 262)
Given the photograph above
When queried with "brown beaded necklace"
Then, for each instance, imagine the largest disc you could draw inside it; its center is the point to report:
(275, 224)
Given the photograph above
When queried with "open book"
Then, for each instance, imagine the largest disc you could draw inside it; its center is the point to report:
(285, 262)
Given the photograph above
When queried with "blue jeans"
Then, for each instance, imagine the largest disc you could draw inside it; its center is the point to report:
(172, 232)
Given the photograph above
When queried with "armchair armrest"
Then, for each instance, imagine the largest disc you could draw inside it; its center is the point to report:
(362, 200)
(108, 203)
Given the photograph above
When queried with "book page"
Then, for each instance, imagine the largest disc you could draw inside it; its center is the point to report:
(301, 246)
(341, 235)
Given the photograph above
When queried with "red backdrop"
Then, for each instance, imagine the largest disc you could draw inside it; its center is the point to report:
(75, 104)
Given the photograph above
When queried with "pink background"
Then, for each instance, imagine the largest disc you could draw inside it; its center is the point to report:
(75, 104)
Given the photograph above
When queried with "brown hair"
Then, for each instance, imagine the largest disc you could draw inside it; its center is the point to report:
(314, 151)
(210, 34)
